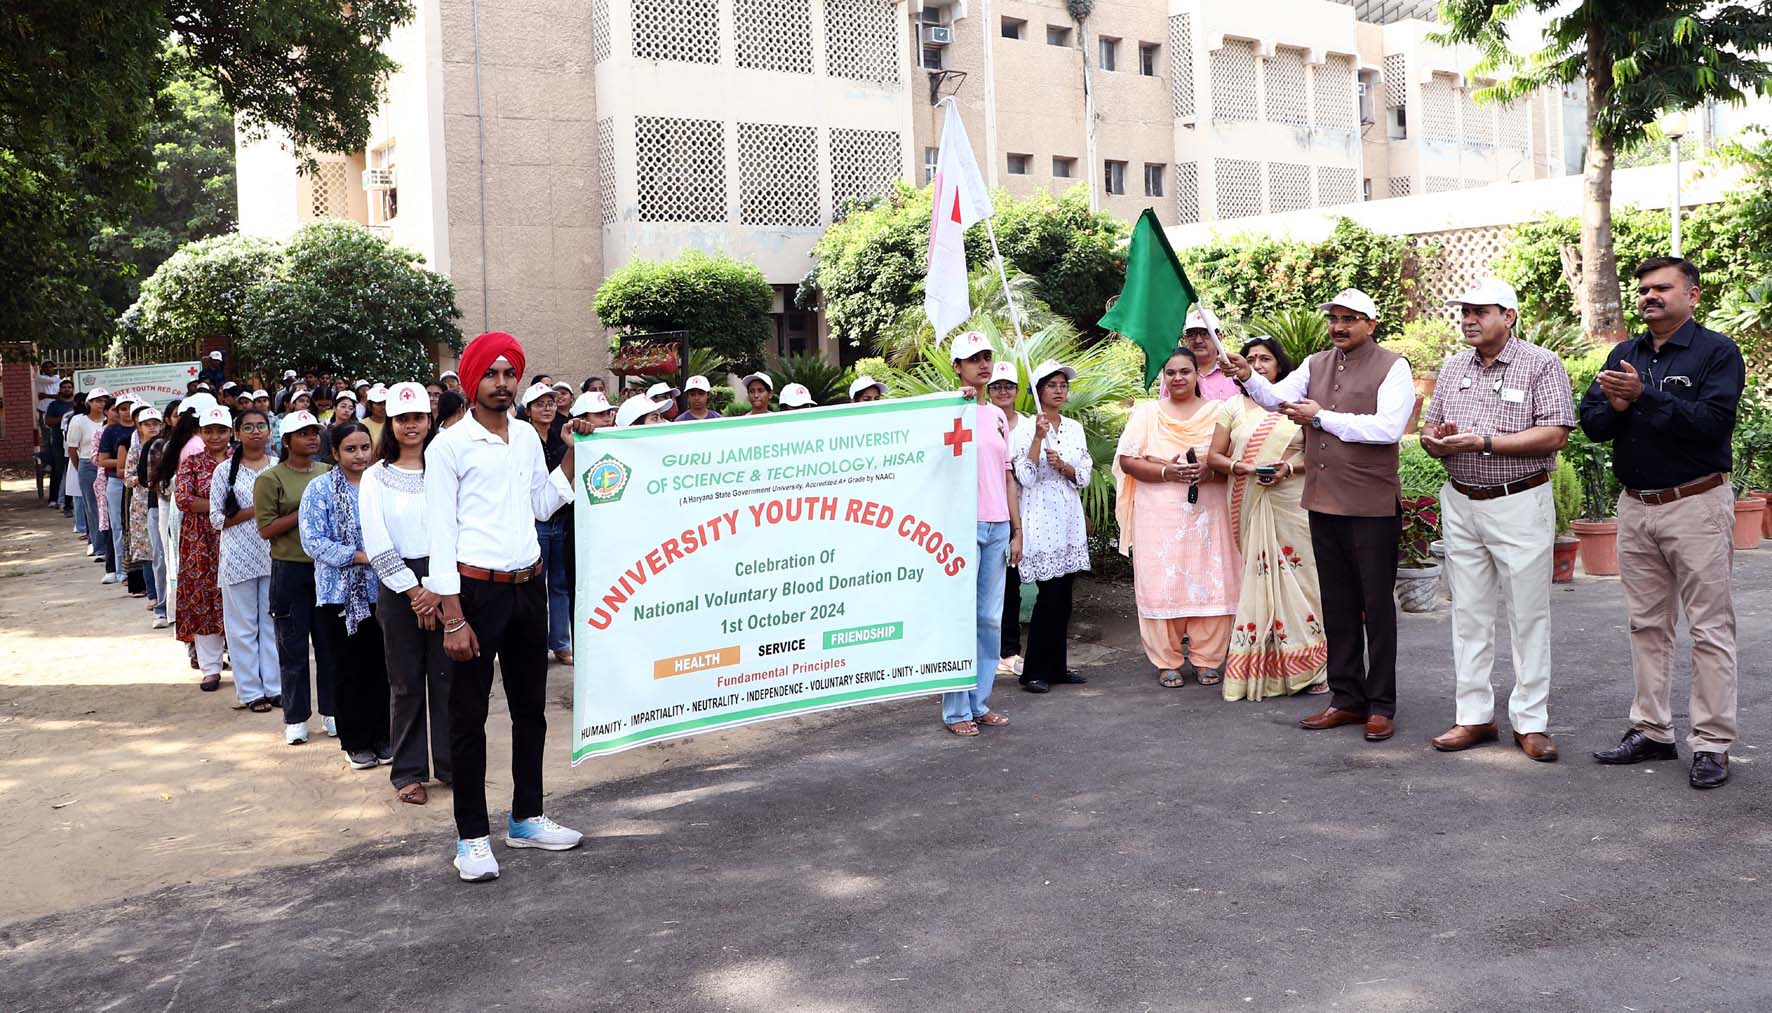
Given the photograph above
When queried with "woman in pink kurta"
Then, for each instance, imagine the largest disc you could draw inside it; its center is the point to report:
(1186, 570)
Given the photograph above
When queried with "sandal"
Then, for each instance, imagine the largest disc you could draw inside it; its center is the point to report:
(260, 706)
(1169, 678)
(964, 729)
(414, 794)
(1211, 676)
(1318, 688)
(992, 719)
(210, 683)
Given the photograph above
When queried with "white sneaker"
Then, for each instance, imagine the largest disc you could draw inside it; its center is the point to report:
(110, 578)
(295, 734)
(540, 832)
(474, 861)
(161, 622)
(331, 725)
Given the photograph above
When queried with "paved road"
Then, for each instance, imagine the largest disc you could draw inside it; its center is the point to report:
(1120, 847)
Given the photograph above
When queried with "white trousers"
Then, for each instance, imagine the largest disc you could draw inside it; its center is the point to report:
(209, 652)
(252, 639)
(1498, 553)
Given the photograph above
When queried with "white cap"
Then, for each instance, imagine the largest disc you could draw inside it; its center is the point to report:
(408, 398)
(196, 404)
(1004, 372)
(446, 374)
(1487, 292)
(795, 395)
(295, 422)
(591, 402)
(289, 374)
(562, 385)
(122, 399)
(535, 390)
(380, 393)
(343, 395)
(1199, 318)
(697, 383)
(214, 355)
(217, 416)
(767, 382)
(260, 393)
(634, 409)
(967, 344)
(97, 392)
(359, 383)
(862, 383)
(1049, 367)
(662, 392)
(1353, 299)
(150, 414)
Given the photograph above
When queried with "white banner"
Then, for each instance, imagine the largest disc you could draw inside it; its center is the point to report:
(751, 568)
(159, 383)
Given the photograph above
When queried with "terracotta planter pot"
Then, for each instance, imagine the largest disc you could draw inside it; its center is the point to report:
(1418, 588)
(1750, 514)
(1424, 389)
(1598, 547)
(1563, 560)
(1766, 516)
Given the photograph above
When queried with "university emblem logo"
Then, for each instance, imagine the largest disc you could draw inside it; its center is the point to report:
(606, 480)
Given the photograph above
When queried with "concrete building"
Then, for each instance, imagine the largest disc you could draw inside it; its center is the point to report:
(529, 147)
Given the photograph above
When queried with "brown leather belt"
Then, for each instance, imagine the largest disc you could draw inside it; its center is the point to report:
(500, 576)
(1656, 497)
(1506, 489)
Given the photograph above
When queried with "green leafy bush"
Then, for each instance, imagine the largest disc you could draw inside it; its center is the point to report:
(1301, 332)
(722, 302)
(1566, 494)
(1254, 276)
(1752, 441)
(199, 292)
(1419, 472)
(827, 381)
(1427, 344)
(1593, 466)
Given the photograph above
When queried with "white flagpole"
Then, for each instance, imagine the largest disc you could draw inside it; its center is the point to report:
(1009, 297)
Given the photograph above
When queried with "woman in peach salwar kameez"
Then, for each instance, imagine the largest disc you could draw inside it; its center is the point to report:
(1185, 567)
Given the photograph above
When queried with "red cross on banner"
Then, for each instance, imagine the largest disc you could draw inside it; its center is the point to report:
(958, 437)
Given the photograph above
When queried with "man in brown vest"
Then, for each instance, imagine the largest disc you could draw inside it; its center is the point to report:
(1355, 401)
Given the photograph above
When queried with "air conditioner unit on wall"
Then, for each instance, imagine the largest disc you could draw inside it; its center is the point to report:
(938, 35)
(378, 179)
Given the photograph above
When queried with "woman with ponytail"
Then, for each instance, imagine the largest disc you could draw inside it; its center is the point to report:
(245, 567)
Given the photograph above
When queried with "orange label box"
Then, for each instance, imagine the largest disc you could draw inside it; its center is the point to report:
(700, 661)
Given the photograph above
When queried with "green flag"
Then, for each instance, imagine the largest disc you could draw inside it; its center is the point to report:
(1153, 303)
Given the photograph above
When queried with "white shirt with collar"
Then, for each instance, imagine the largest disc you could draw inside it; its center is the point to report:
(1396, 402)
(483, 496)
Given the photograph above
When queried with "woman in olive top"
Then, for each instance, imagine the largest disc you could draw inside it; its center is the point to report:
(276, 500)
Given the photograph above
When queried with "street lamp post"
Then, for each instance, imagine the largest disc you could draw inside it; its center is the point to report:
(1674, 125)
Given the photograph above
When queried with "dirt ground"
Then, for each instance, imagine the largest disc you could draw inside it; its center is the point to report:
(118, 777)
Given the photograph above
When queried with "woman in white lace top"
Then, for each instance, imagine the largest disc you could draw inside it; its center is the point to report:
(245, 568)
(1051, 460)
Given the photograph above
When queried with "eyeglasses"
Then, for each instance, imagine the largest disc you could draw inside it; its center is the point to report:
(255, 427)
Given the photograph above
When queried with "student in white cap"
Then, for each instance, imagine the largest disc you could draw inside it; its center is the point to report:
(244, 569)
(84, 431)
(1052, 465)
(999, 535)
(865, 389)
(1499, 414)
(1203, 336)
(554, 534)
(375, 414)
(212, 373)
(563, 394)
(697, 392)
(1354, 401)
(112, 448)
(1004, 388)
(392, 510)
(639, 410)
(451, 381)
(666, 395)
(276, 498)
(199, 590)
(144, 461)
(795, 395)
(759, 389)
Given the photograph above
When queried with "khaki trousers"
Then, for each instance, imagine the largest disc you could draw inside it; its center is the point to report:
(1674, 557)
(1208, 640)
(1498, 552)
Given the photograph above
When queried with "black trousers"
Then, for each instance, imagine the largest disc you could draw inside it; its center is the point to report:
(1049, 630)
(360, 680)
(1357, 575)
(292, 614)
(1011, 613)
(417, 668)
(511, 623)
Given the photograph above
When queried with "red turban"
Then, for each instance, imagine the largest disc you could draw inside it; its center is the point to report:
(482, 352)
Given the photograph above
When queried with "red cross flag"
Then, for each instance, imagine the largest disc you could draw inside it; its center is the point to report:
(960, 200)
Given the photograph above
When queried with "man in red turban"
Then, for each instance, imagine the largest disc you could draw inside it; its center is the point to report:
(486, 484)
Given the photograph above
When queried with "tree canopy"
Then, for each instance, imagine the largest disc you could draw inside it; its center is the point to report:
(723, 303)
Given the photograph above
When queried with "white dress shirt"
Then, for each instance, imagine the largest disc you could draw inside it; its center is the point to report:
(391, 508)
(483, 497)
(1396, 402)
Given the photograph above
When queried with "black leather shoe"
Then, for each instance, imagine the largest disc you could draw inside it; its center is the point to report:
(1709, 770)
(1636, 747)
(1036, 686)
(1069, 678)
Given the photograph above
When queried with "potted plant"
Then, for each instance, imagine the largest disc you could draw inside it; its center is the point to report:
(1752, 450)
(1596, 529)
(1418, 579)
(1566, 494)
(1425, 344)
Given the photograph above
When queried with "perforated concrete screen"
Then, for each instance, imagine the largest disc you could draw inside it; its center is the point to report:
(1288, 186)
(863, 165)
(777, 174)
(1396, 80)
(861, 41)
(600, 43)
(1181, 65)
(1285, 87)
(606, 168)
(681, 170)
(1187, 192)
(1337, 105)
(1439, 113)
(1233, 82)
(1238, 184)
(327, 195)
(773, 35)
(687, 31)
(1336, 185)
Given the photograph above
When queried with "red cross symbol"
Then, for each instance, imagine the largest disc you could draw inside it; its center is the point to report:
(958, 437)
(192, 371)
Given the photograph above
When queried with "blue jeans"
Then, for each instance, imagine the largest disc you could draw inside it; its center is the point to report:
(157, 586)
(993, 560)
(119, 524)
(552, 535)
(92, 487)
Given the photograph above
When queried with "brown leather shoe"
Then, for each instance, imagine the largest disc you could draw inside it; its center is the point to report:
(1331, 717)
(1463, 737)
(1537, 745)
(1379, 728)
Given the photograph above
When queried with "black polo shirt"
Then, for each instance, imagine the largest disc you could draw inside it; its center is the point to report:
(1679, 429)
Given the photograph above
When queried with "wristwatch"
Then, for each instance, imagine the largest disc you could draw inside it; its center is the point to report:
(1316, 421)
(1488, 446)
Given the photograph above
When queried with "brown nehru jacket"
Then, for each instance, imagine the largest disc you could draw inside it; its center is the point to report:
(1349, 479)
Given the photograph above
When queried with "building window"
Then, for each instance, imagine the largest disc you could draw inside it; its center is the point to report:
(387, 199)
(1018, 165)
(1366, 189)
(1110, 54)
(1063, 168)
(1153, 180)
(932, 57)
(1147, 58)
(1014, 28)
(1057, 36)
(1114, 177)
(930, 157)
